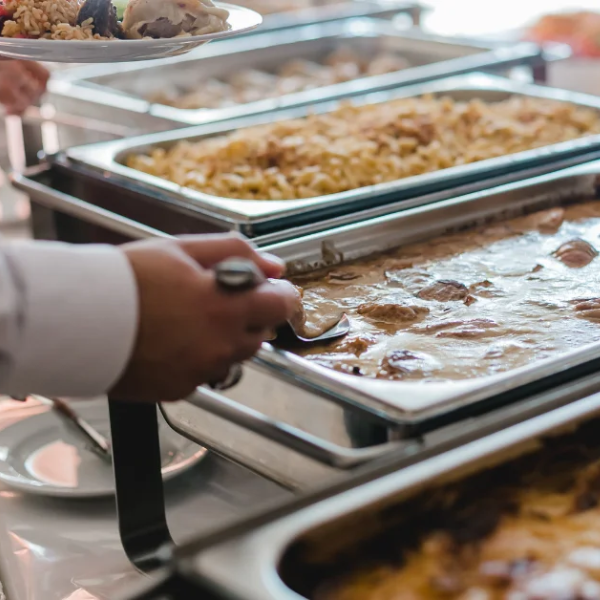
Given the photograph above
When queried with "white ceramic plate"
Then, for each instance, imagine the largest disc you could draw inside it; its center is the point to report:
(42, 455)
(240, 19)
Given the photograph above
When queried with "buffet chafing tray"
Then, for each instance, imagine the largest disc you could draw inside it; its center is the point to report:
(343, 9)
(103, 163)
(283, 554)
(337, 420)
(120, 92)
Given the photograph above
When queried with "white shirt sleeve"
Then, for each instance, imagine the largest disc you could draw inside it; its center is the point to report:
(68, 318)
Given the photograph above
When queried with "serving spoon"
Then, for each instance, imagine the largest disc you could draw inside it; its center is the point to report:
(239, 274)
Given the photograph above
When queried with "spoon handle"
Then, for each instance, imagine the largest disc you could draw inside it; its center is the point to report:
(236, 275)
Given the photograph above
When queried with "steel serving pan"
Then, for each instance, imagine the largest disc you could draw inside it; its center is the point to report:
(264, 558)
(268, 550)
(343, 9)
(359, 413)
(115, 90)
(260, 217)
(318, 414)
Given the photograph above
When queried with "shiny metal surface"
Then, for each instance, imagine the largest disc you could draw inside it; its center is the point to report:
(254, 217)
(255, 555)
(294, 391)
(117, 90)
(343, 9)
(282, 392)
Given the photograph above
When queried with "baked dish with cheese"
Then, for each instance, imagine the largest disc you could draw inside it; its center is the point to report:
(526, 530)
(464, 305)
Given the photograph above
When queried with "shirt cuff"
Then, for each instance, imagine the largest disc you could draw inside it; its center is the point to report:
(79, 320)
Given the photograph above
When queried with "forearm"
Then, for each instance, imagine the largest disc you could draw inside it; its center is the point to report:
(68, 318)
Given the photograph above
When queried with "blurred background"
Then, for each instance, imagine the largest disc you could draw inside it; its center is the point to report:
(487, 17)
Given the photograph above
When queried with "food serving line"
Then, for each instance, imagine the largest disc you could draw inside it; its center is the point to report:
(288, 420)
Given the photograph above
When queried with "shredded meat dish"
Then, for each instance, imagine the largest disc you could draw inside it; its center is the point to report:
(528, 530)
(464, 305)
(251, 85)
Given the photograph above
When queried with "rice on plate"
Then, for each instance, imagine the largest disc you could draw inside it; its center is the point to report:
(50, 19)
(97, 19)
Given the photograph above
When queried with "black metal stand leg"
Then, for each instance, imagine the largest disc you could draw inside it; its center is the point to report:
(139, 487)
(540, 73)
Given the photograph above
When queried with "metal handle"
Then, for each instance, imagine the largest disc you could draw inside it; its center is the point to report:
(238, 275)
(85, 211)
(291, 437)
(36, 115)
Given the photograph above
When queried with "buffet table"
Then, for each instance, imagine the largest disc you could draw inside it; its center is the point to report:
(59, 549)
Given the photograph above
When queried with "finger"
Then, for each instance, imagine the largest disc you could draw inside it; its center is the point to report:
(209, 250)
(14, 102)
(38, 72)
(248, 346)
(29, 88)
(272, 304)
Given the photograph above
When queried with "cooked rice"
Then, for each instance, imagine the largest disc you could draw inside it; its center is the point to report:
(357, 146)
(48, 19)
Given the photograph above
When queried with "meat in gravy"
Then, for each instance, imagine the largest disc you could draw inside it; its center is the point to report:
(464, 305)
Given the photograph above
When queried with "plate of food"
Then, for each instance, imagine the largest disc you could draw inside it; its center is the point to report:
(93, 31)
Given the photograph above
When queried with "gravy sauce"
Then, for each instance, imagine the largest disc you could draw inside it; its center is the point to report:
(464, 305)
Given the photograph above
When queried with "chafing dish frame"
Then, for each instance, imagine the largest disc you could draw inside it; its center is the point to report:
(110, 89)
(254, 548)
(344, 9)
(259, 217)
(255, 556)
(247, 435)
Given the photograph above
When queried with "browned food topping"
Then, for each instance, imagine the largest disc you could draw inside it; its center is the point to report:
(391, 312)
(399, 362)
(356, 344)
(462, 328)
(525, 530)
(397, 264)
(334, 276)
(576, 253)
(470, 300)
(484, 289)
(549, 221)
(587, 488)
(444, 290)
(473, 329)
(587, 309)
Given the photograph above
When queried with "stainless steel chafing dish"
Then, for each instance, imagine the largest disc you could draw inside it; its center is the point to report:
(338, 420)
(104, 162)
(275, 556)
(333, 10)
(119, 93)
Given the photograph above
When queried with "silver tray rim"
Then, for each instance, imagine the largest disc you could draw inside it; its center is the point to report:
(255, 554)
(104, 157)
(344, 9)
(78, 83)
(407, 402)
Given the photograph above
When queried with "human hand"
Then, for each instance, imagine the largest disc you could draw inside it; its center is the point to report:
(22, 83)
(190, 332)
